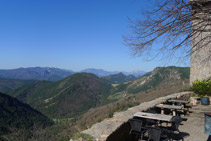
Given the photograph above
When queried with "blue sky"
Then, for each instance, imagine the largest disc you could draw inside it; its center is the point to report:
(69, 34)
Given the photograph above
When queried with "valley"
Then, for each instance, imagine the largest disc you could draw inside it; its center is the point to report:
(82, 99)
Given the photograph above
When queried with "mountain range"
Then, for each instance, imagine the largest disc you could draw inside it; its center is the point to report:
(81, 91)
(15, 78)
(102, 73)
(35, 73)
(76, 95)
(54, 74)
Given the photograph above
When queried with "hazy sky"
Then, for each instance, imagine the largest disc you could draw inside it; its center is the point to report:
(69, 34)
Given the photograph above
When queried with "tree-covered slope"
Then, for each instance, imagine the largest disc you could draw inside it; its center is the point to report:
(118, 78)
(17, 115)
(10, 84)
(68, 97)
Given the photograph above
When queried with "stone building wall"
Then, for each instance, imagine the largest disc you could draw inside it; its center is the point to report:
(201, 52)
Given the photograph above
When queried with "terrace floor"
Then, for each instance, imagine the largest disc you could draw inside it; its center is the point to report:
(195, 123)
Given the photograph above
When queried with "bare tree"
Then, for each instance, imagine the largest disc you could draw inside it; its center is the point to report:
(174, 24)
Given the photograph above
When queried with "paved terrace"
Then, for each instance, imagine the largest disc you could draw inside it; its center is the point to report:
(195, 123)
(117, 124)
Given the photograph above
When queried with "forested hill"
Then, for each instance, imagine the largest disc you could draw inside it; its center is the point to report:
(7, 85)
(17, 115)
(119, 78)
(68, 97)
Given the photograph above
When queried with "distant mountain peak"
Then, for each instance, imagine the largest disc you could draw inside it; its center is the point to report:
(136, 73)
(120, 73)
(36, 73)
(53, 74)
(98, 72)
(102, 73)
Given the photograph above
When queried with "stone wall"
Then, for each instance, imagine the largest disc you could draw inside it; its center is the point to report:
(117, 127)
(200, 42)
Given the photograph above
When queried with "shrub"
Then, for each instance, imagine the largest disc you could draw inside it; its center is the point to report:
(202, 87)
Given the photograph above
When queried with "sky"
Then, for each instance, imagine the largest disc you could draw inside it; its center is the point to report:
(70, 34)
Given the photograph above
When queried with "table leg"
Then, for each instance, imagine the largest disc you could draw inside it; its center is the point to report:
(162, 111)
(188, 112)
(174, 113)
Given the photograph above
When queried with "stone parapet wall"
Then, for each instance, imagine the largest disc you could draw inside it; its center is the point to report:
(108, 128)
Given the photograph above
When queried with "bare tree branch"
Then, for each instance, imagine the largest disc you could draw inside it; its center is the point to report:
(171, 24)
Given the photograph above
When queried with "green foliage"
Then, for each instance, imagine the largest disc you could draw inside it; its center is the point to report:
(115, 97)
(35, 134)
(111, 114)
(119, 78)
(17, 115)
(7, 85)
(139, 89)
(185, 73)
(202, 87)
(121, 87)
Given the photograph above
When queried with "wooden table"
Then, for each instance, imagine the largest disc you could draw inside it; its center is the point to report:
(181, 102)
(178, 101)
(159, 117)
(171, 107)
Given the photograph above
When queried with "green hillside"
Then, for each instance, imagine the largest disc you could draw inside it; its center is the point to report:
(158, 76)
(15, 114)
(7, 85)
(68, 97)
(119, 78)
